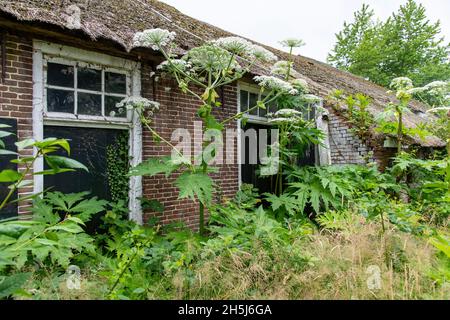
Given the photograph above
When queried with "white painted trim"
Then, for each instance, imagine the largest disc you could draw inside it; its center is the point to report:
(324, 152)
(136, 155)
(38, 115)
(133, 68)
(72, 53)
(239, 127)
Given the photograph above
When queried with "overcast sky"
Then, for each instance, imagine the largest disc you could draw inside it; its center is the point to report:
(314, 21)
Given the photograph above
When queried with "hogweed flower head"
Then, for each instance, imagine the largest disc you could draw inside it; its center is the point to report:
(153, 38)
(139, 104)
(300, 84)
(402, 83)
(274, 83)
(281, 67)
(236, 45)
(263, 54)
(292, 43)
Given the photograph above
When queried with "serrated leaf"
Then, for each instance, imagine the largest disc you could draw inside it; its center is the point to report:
(195, 185)
(154, 166)
(11, 284)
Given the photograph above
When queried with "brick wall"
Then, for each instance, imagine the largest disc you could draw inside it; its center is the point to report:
(346, 147)
(178, 110)
(16, 94)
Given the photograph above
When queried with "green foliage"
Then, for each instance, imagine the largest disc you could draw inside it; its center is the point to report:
(13, 283)
(358, 116)
(195, 185)
(48, 238)
(406, 44)
(118, 166)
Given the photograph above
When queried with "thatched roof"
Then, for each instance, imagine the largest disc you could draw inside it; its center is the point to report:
(119, 20)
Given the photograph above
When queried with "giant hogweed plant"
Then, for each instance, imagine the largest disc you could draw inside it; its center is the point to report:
(391, 120)
(201, 72)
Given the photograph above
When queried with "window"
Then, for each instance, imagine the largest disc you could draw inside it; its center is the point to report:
(84, 90)
(248, 97)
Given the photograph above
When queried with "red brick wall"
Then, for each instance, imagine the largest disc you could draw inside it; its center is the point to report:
(16, 93)
(178, 110)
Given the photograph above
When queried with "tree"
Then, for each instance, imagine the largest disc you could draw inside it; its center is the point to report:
(407, 44)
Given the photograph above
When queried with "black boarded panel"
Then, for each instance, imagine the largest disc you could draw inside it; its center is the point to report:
(5, 163)
(88, 146)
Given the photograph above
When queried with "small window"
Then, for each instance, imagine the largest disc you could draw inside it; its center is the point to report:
(84, 90)
(249, 99)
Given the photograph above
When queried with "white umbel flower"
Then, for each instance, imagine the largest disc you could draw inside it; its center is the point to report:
(300, 85)
(402, 83)
(179, 64)
(234, 45)
(138, 103)
(287, 113)
(263, 54)
(153, 38)
(274, 83)
(281, 67)
(292, 43)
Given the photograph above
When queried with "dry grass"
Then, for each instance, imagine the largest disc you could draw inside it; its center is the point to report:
(338, 267)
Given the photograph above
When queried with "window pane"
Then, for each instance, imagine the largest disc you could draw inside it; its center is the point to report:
(272, 107)
(60, 75)
(115, 83)
(252, 102)
(60, 101)
(89, 79)
(244, 100)
(89, 104)
(110, 105)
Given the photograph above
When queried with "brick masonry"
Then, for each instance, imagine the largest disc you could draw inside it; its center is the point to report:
(16, 95)
(178, 110)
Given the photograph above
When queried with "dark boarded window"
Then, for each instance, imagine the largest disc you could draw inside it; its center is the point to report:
(5, 163)
(88, 146)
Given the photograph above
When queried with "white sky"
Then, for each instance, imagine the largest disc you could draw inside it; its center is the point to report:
(314, 21)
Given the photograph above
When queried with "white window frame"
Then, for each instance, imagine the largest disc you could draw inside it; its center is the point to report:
(45, 51)
(80, 64)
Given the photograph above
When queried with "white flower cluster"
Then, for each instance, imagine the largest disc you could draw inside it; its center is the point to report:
(234, 45)
(285, 116)
(300, 84)
(402, 83)
(180, 64)
(139, 103)
(263, 54)
(310, 98)
(281, 67)
(292, 43)
(274, 83)
(438, 88)
(153, 38)
(245, 48)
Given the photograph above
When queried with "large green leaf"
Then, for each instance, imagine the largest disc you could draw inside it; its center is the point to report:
(59, 162)
(13, 283)
(9, 176)
(154, 166)
(194, 185)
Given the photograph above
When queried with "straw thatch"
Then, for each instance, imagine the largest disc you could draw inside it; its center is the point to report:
(119, 20)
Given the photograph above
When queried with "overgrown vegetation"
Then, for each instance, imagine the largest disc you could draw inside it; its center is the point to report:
(337, 232)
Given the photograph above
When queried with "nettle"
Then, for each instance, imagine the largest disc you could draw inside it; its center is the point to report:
(201, 72)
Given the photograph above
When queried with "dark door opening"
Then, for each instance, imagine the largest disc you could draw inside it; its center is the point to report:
(88, 146)
(5, 163)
